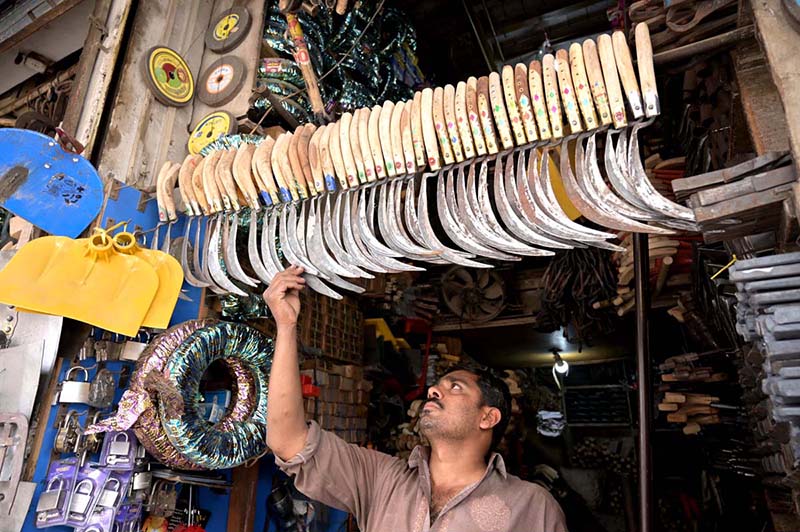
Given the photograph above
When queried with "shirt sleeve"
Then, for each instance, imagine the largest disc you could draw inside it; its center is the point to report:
(336, 473)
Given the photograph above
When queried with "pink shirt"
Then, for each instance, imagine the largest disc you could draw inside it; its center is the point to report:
(387, 494)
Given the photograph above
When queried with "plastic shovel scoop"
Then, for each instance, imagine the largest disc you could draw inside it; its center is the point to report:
(170, 279)
(82, 279)
(57, 191)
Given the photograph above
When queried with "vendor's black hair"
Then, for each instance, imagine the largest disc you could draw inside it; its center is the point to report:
(495, 393)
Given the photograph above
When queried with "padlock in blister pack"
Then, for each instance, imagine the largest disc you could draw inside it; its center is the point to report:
(54, 501)
(119, 450)
(101, 390)
(88, 488)
(74, 391)
(110, 494)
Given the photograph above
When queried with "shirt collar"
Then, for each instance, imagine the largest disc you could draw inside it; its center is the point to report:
(422, 454)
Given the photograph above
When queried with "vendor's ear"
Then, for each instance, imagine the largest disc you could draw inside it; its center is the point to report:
(491, 417)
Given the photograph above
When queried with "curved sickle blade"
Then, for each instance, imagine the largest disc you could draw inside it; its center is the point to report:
(269, 238)
(187, 270)
(165, 247)
(509, 190)
(342, 221)
(206, 263)
(231, 256)
(644, 188)
(214, 267)
(317, 252)
(394, 202)
(261, 268)
(428, 234)
(455, 229)
(375, 246)
(512, 222)
(474, 220)
(615, 175)
(343, 258)
(390, 231)
(588, 175)
(362, 234)
(586, 205)
(410, 214)
(289, 245)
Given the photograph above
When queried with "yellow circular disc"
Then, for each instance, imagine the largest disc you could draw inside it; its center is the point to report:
(209, 129)
(225, 26)
(168, 76)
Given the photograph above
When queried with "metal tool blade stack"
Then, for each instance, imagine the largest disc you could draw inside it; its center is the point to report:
(768, 315)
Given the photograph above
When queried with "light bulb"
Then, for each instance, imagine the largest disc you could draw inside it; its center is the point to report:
(561, 366)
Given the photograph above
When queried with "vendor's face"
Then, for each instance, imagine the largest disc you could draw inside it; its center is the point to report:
(454, 408)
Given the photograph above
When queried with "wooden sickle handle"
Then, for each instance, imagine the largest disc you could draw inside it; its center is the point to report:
(499, 110)
(167, 188)
(243, 174)
(315, 159)
(396, 139)
(462, 120)
(485, 114)
(451, 122)
(567, 92)
(551, 95)
(416, 130)
(408, 141)
(581, 83)
(210, 181)
(473, 114)
(230, 194)
(355, 145)
(335, 148)
(364, 145)
(429, 130)
(538, 99)
(375, 141)
(625, 68)
(263, 160)
(190, 162)
(385, 128)
(647, 74)
(441, 127)
(595, 75)
(345, 122)
(277, 152)
(285, 166)
(302, 150)
(326, 162)
(197, 187)
(609, 66)
(294, 165)
(524, 101)
(510, 93)
(162, 212)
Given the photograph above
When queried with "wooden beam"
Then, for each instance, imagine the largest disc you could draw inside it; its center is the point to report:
(38, 24)
(242, 503)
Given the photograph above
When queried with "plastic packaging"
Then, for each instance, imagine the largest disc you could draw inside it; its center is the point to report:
(119, 450)
(54, 501)
(88, 487)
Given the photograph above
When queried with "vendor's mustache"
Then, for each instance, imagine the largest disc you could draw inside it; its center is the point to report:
(433, 400)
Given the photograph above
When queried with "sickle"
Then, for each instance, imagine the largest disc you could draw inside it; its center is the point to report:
(162, 213)
(192, 211)
(512, 106)
(167, 185)
(230, 225)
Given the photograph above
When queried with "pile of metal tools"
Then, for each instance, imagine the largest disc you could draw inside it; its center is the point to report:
(350, 199)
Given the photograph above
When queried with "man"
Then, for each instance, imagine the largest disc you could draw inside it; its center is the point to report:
(456, 485)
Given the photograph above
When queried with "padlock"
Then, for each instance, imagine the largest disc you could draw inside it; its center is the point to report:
(81, 497)
(92, 441)
(68, 434)
(51, 499)
(108, 497)
(75, 391)
(120, 448)
(163, 499)
(142, 480)
(101, 390)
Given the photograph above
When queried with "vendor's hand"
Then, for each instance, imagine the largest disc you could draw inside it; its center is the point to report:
(283, 296)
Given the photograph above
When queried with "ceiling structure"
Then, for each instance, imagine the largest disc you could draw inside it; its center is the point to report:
(459, 38)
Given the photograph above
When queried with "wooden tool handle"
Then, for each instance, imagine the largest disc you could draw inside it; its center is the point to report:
(364, 145)
(385, 128)
(325, 159)
(355, 144)
(225, 178)
(499, 110)
(162, 211)
(408, 141)
(647, 74)
(197, 186)
(441, 127)
(210, 182)
(263, 159)
(295, 168)
(429, 131)
(166, 184)
(510, 93)
(416, 130)
(551, 95)
(625, 68)
(396, 138)
(190, 162)
(473, 114)
(315, 159)
(567, 92)
(609, 65)
(485, 114)
(375, 146)
(285, 166)
(451, 122)
(462, 120)
(242, 174)
(580, 81)
(345, 122)
(341, 7)
(303, 60)
(524, 101)
(277, 152)
(335, 147)
(302, 151)
(595, 74)
(538, 99)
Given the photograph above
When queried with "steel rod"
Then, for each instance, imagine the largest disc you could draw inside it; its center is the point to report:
(641, 264)
(477, 35)
(706, 45)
